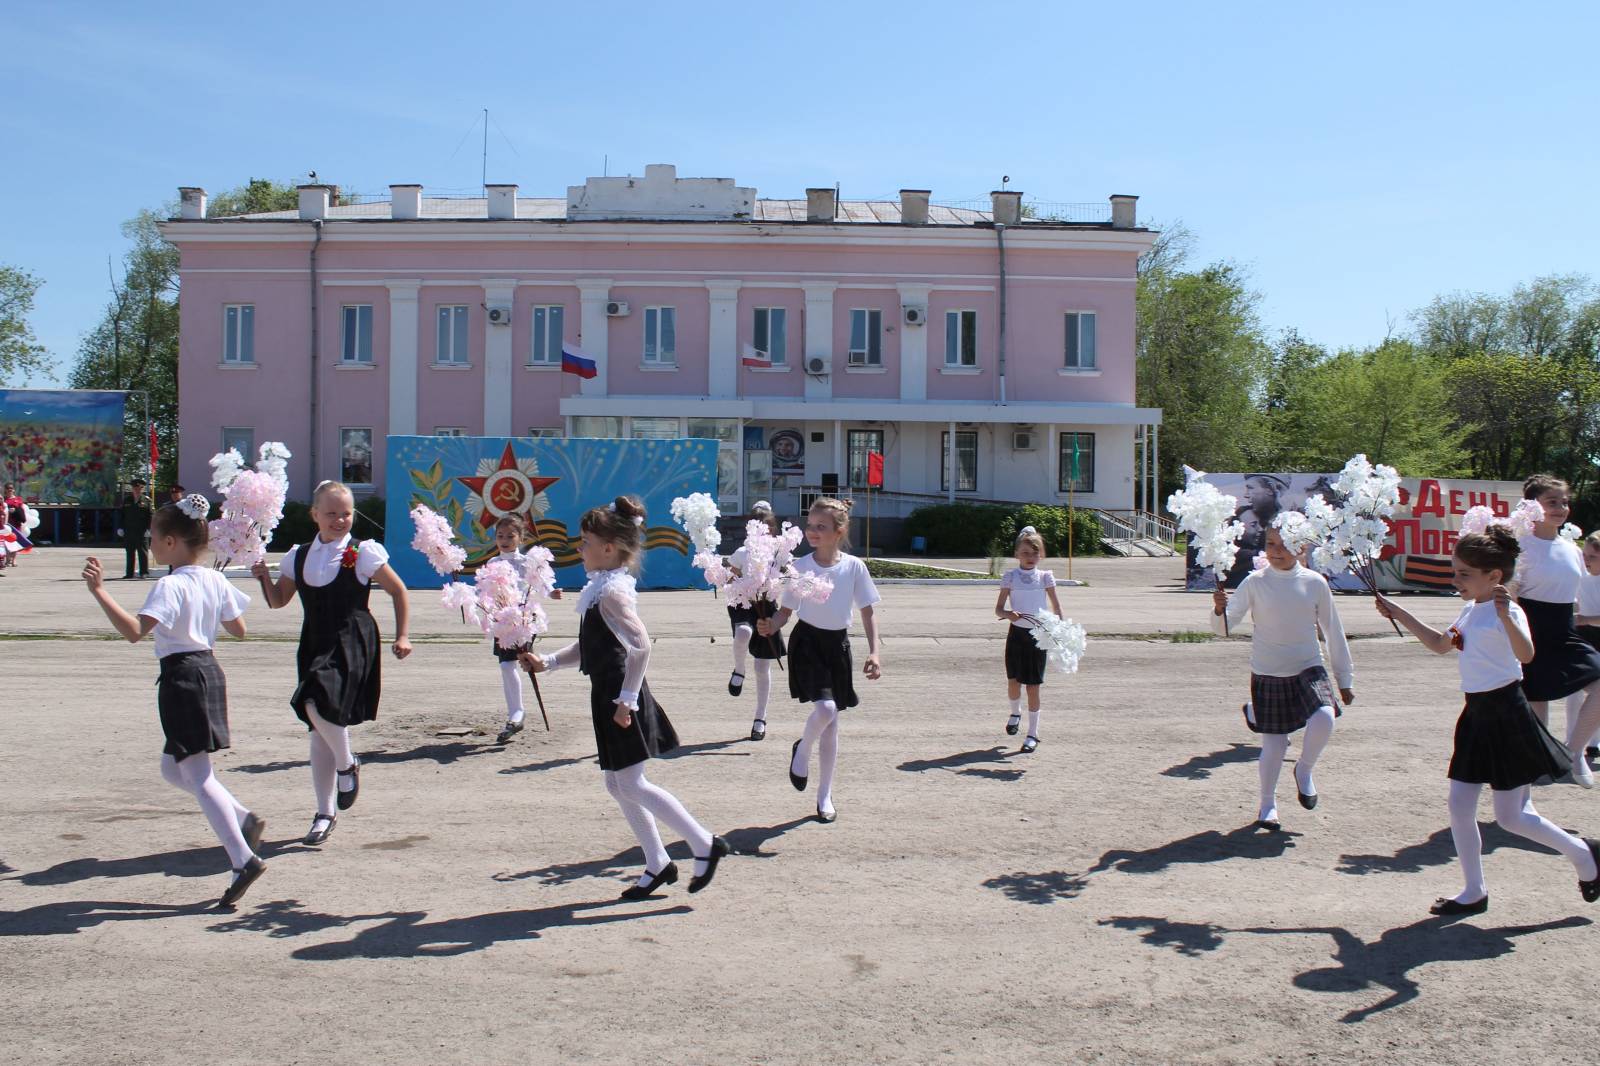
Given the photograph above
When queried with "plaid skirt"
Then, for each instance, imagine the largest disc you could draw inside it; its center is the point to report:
(192, 700)
(1284, 704)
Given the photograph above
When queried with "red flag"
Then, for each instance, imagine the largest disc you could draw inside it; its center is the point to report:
(155, 453)
(875, 470)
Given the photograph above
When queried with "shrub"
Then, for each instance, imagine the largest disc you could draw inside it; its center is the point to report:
(991, 529)
(298, 527)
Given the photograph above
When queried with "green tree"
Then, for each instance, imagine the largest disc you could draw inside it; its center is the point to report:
(20, 352)
(254, 197)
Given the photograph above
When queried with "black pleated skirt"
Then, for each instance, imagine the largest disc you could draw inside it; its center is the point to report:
(508, 655)
(1501, 744)
(1025, 660)
(1285, 704)
(761, 647)
(192, 700)
(343, 677)
(820, 666)
(1563, 662)
(650, 736)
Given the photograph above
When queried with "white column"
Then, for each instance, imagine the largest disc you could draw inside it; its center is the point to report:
(497, 292)
(594, 331)
(838, 457)
(913, 345)
(403, 356)
(722, 375)
(950, 461)
(819, 337)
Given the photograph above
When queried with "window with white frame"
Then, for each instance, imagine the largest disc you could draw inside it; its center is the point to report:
(603, 427)
(1080, 340)
(452, 344)
(355, 456)
(660, 336)
(546, 431)
(1076, 469)
(450, 431)
(961, 338)
(240, 438)
(772, 335)
(357, 334)
(861, 443)
(866, 336)
(966, 461)
(239, 333)
(547, 337)
(653, 428)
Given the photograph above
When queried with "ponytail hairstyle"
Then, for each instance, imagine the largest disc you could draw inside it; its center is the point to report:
(763, 510)
(1496, 548)
(620, 522)
(838, 511)
(1539, 484)
(185, 520)
(1031, 537)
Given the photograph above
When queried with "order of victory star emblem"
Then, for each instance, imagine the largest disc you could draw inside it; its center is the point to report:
(512, 486)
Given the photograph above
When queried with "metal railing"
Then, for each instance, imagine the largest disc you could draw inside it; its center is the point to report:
(1136, 525)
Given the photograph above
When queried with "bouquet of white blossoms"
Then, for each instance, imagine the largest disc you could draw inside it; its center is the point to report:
(1063, 640)
(252, 503)
(1208, 515)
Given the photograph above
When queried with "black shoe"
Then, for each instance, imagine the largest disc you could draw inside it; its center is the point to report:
(795, 779)
(1449, 908)
(1030, 745)
(1013, 725)
(827, 817)
(719, 848)
(243, 878)
(1271, 825)
(1590, 890)
(1308, 800)
(511, 730)
(758, 730)
(348, 799)
(252, 829)
(735, 683)
(1592, 753)
(317, 836)
(667, 876)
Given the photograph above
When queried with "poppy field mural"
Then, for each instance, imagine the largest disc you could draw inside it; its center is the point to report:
(62, 445)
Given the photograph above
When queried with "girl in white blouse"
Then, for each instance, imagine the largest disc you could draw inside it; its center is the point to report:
(1029, 589)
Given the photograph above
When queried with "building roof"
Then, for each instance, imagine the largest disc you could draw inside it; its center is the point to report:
(553, 209)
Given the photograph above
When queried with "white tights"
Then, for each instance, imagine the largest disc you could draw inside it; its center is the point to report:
(1274, 746)
(763, 671)
(194, 775)
(330, 753)
(511, 682)
(741, 645)
(1513, 810)
(822, 731)
(642, 804)
(1575, 706)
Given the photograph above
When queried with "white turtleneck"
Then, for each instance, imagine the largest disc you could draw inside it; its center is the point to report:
(1285, 607)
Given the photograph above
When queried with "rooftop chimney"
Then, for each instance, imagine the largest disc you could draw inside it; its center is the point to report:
(405, 201)
(502, 201)
(914, 206)
(314, 201)
(1123, 212)
(1007, 207)
(820, 205)
(192, 201)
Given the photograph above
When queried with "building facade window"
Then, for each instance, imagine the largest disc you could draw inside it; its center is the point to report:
(603, 427)
(859, 442)
(772, 334)
(357, 334)
(966, 461)
(654, 427)
(1080, 340)
(452, 341)
(546, 431)
(355, 456)
(239, 333)
(1076, 458)
(547, 336)
(866, 337)
(241, 439)
(450, 431)
(961, 338)
(660, 336)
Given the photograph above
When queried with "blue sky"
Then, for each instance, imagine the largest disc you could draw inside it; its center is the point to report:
(1356, 159)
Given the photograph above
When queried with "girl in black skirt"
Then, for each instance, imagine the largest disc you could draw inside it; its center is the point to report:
(820, 672)
(613, 649)
(1587, 617)
(1498, 741)
(184, 610)
(1028, 588)
(338, 658)
(1548, 578)
(509, 533)
(766, 650)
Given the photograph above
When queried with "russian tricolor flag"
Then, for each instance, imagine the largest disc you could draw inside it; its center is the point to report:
(573, 361)
(753, 357)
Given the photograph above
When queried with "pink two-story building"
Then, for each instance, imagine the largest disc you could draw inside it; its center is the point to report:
(980, 351)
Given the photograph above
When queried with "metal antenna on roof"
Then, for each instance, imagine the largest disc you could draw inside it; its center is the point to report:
(485, 176)
(1005, 179)
(836, 205)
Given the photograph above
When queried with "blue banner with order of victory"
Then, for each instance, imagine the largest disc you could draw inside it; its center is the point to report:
(550, 482)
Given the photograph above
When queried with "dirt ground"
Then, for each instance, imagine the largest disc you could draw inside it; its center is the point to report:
(1102, 900)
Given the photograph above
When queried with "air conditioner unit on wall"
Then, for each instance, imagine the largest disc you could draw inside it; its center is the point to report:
(499, 316)
(616, 308)
(1022, 440)
(816, 365)
(916, 315)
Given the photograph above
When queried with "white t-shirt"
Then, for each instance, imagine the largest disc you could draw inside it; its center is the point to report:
(736, 560)
(189, 605)
(1486, 661)
(1285, 607)
(1549, 570)
(1589, 595)
(852, 589)
(323, 562)
(1027, 588)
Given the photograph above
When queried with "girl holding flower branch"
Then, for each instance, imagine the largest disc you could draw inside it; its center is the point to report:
(745, 617)
(338, 659)
(1028, 589)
